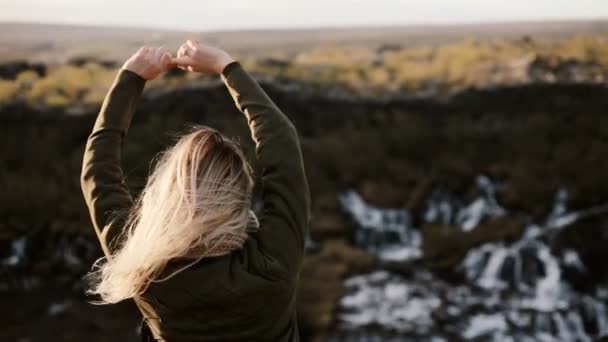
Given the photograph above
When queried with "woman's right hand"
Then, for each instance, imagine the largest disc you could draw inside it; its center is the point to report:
(149, 62)
(194, 56)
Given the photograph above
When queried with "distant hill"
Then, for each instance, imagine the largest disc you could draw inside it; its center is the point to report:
(50, 43)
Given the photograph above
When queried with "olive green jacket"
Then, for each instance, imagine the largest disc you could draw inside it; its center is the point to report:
(248, 295)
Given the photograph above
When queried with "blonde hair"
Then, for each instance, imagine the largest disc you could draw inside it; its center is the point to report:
(197, 197)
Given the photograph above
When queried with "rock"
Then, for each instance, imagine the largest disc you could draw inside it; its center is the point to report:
(330, 224)
(80, 61)
(524, 192)
(384, 48)
(589, 238)
(321, 283)
(382, 194)
(328, 219)
(444, 247)
(274, 63)
(12, 69)
(404, 268)
(417, 198)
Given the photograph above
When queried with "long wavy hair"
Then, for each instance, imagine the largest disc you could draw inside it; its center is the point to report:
(197, 199)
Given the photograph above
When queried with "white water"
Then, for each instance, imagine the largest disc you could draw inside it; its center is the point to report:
(387, 233)
(17, 252)
(444, 209)
(512, 292)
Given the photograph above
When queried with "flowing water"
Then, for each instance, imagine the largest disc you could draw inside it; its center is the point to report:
(511, 292)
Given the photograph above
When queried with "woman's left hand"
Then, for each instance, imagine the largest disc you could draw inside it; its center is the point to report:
(149, 62)
(205, 59)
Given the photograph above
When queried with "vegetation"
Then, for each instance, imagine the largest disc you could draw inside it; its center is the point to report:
(362, 71)
(456, 65)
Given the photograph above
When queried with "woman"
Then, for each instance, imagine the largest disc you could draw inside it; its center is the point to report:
(189, 251)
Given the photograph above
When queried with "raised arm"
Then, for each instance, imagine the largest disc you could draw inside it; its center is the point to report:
(102, 179)
(284, 223)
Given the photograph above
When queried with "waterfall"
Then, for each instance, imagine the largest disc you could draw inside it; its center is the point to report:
(443, 208)
(17, 255)
(387, 233)
(511, 292)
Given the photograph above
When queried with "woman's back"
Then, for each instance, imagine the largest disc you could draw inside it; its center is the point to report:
(226, 298)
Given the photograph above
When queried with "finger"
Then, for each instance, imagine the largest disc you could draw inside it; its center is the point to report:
(154, 55)
(158, 54)
(192, 43)
(184, 50)
(180, 51)
(139, 53)
(166, 60)
(145, 51)
(182, 61)
(169, 54)
(164, 50)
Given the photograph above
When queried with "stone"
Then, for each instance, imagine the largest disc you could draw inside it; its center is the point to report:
(328, 220)
(444, 247)
(417, 198)
(321, 283)
(330, 224)
(589, 238)
(382, 194)
(11, 70)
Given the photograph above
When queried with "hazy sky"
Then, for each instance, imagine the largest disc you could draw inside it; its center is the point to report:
(237, 14)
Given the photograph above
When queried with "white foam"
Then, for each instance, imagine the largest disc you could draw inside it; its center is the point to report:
(58, 307)
(387, 233)
(18, 252)
(391, 303)
(481, 325)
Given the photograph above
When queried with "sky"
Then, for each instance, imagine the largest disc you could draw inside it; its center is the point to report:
(207, 15)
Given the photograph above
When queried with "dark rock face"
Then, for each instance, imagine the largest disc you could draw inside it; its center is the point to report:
(83, 60)
(9, 71)
(274, 63)
(328, 220)
(589, 239)
(445, 247)
(324, 272)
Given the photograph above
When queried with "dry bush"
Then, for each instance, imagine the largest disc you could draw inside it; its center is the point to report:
(68, 84)
(8, 90)
(362, 69)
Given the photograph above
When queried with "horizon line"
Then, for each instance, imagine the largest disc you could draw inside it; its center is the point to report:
(489, 22)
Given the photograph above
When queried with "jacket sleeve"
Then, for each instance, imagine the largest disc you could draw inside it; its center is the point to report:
(284, 223)
(102, 179)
